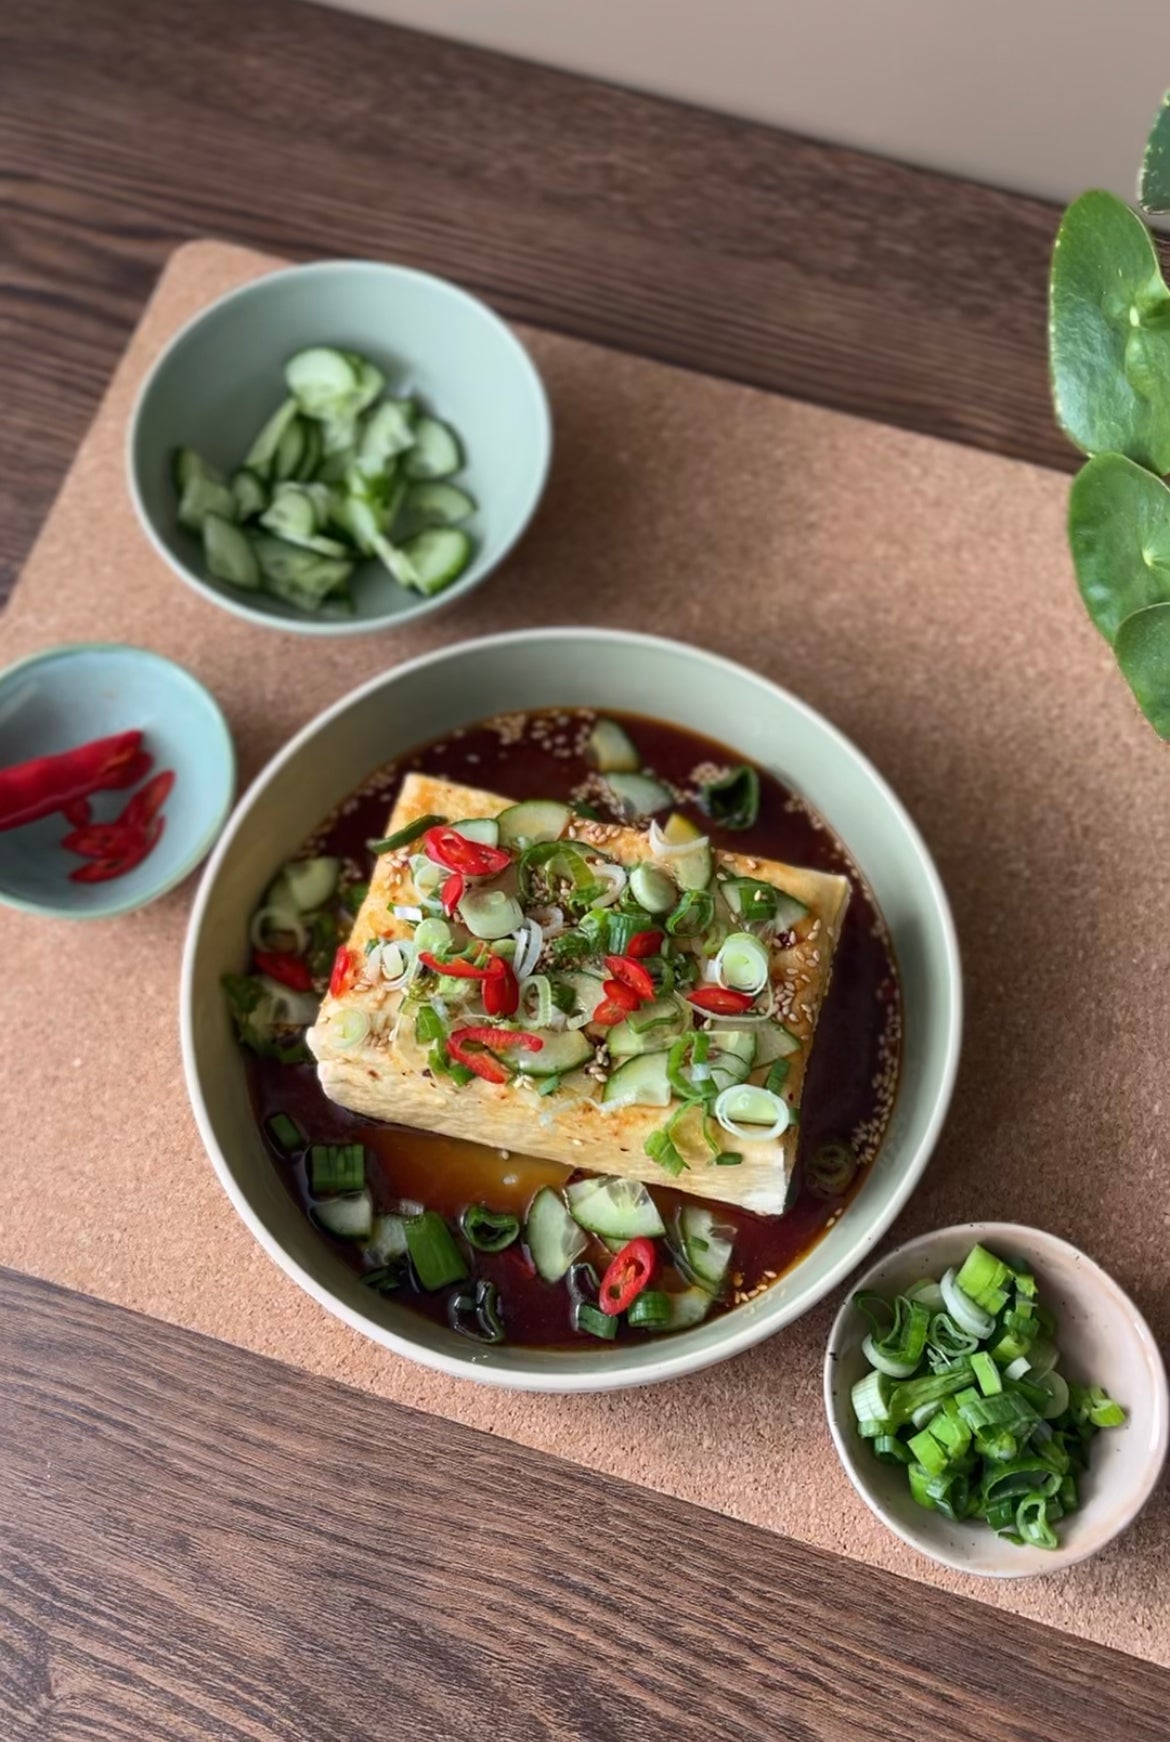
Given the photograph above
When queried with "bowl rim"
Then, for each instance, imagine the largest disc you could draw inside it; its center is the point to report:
(753, 1329)
(131, 904)
(1028, 1238)
(425, 606)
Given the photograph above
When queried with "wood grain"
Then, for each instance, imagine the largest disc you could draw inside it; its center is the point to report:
(198, 1543)
(713, 243)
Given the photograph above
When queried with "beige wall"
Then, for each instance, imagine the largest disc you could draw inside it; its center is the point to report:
(1045, 96)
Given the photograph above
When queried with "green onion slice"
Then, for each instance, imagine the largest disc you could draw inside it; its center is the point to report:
(404, 836)
(743, 963)
(733, 801)
(896, 1348)
(752, 1114)
(436, 1258)
(489, 1230)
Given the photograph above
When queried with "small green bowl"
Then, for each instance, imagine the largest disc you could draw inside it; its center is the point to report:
(71, 695)
(222, 376)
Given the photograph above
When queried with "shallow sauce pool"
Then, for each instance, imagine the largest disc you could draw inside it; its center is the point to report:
(848, 1092)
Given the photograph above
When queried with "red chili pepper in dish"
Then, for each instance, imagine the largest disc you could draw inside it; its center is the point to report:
(78, 811)
(501, 989)
(608, 1013)
(96, 840)
(148, 800)
(132, 850)
(36, 789)
(447, 847)
(484, 1063)
(617, 992)
(627, 1276)
(644, 943)
(344, 969)
(721, 1000)
(282, 965)
(631, 974)
(458, 970)
(451, 893)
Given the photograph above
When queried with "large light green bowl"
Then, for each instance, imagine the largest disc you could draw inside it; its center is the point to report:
(222, 376)
(425, 699)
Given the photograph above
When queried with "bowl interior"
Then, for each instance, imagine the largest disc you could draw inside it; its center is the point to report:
(605, 670)
(73, 694)
(1103, 1340)
(223, 376)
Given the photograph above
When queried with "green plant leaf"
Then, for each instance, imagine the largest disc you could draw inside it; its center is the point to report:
(1119, 535)
(1109, 333)
(1143, 653)
(1154, 180)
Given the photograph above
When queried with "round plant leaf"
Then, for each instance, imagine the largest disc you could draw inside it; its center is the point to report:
(1143, 653)
(1119, 535)
(1154, 181)
(1109, 333)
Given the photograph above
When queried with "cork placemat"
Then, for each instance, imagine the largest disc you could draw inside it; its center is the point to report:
(917, 593)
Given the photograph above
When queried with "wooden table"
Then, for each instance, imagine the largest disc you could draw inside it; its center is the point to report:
(198, 1543)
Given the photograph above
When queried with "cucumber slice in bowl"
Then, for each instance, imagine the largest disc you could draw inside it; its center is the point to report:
(615, 1209)
(321, 379)
(705, 1246)
(436, 557)
(437, 505)
(638, 795)
(563, 1050)
(436, 452)
(640, 1082)
(228, 553)
(553, 1238)
(536, 819)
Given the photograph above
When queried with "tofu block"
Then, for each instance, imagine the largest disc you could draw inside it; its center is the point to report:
(387, 1075)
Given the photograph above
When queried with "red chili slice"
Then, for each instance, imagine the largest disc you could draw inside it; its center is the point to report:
(78, 811)
(50, 783)
(148, 800)
(608, 1013)
(644, 943)
(617, 992)
(97, 840)
(484, 1063)
(133, 849)
(449, 848)
(501, 989)
(451, 893)
(458, 970)
(721, 1000)
(282, 965)
(627, 1276)
(631, 974)
(344, 969)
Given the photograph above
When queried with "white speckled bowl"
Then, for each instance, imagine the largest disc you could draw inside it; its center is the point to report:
(605, 669)
(1103, 1340)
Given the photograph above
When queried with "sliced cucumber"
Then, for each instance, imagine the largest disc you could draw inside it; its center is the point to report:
(706, 1246)
(688, 1309)
(616, 1209)
(436, 452)
(437, 556)
(774, 1041)
(613, 749)
(188, 465)
(370, 382)
(737, 1043)
(652, 1029)
(228, 553)
(292, 513)
(387, 431)
(261, 454)
(313, 450)
(305, 884)
(693, 865)
(290, 450)
(640, 1082)
(348, 1218)
(537, 819)
(437, 505)
(485, 830)
(387, 1240)
(638, 795)
(653, 889)
(322, 380)
(203, 496)
(789, 911)
(250, 493)
(553, 1238)
(587, 989)
(490, 913)
(563, 1050)
(299, 576)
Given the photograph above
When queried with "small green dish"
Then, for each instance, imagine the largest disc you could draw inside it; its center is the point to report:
(68, 696)
(222, 376)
